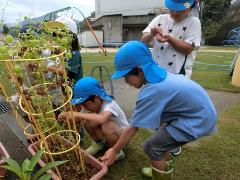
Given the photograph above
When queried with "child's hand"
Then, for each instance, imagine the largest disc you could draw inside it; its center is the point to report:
(162, 38)
(66, 115)
(156, 31)
(109, 157)
(70, 115)
(52, 68)
(62, 116)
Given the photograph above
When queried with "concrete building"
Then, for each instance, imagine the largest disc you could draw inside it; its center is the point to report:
(124, 20)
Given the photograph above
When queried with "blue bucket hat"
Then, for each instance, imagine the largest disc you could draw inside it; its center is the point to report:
(178, 5)
(137, 54)
(87, 87)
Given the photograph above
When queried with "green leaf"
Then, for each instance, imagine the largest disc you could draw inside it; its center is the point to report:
(46, 177)
(26, 166)
(47, 167)
(14, 170)
(13, 166)
(36, 158)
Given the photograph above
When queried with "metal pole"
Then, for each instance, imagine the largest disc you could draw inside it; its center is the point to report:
(89, 26)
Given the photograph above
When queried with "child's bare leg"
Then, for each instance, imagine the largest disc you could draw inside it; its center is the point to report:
(167, 156)
(111, 132)
(94, 130)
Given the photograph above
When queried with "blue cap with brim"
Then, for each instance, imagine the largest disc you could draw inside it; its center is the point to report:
(119, 74)
(178, 5)
(86, 87)
(137, 54)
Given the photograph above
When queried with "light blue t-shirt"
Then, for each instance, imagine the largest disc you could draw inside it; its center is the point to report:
(181, 103)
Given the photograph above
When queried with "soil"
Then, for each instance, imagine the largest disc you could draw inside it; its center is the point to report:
(72, 169)
(67, 172)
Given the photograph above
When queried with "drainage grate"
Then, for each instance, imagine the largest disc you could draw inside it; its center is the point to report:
(5, 107)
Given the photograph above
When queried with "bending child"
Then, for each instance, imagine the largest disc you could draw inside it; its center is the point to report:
(181, 104)
(106, 120)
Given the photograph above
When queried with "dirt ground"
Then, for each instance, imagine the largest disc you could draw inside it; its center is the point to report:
(223, 100)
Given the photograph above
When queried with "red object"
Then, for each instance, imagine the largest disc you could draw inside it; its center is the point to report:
(3, 153)
(89, 158)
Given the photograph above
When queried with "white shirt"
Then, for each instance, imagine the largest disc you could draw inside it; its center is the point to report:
(195, 11)
(118, 115)
(189, 30)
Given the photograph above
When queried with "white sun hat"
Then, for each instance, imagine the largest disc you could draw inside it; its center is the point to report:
(70, 23)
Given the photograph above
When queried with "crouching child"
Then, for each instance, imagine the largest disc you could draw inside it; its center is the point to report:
(181, 104)
(104, 119)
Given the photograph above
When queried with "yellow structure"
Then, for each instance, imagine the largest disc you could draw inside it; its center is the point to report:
(236, 73)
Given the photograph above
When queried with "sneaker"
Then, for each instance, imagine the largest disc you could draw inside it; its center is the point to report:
(94, 148)
(176, 151)
(121, 155)
(147, 171)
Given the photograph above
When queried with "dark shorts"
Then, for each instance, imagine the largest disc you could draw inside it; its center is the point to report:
(160, 143)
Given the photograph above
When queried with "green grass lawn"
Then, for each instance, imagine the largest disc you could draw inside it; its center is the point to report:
(213, 157)
(210, 70)
(230, 48)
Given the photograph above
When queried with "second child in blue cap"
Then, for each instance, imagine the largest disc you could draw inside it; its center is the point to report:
(181, 104)
(106, 120)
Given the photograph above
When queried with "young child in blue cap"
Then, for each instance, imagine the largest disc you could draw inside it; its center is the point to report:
(106, 120)
(181, 104)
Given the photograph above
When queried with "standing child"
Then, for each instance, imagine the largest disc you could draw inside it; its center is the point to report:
(106, 120)
(176, 37)
(181, 104)
(74, 64)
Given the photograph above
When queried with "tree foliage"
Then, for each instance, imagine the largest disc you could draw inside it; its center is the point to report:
(5, 29)
(213, 13)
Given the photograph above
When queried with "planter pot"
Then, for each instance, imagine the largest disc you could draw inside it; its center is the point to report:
(102, 169)
(3, 153)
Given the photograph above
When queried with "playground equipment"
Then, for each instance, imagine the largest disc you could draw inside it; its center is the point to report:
(101, 70)
(233, 38)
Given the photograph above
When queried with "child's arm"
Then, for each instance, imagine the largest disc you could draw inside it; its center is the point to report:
(110, 155)
(78, 116)
(56, 70)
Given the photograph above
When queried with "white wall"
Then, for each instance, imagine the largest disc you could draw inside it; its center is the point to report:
(87, 39)
(126, 7)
